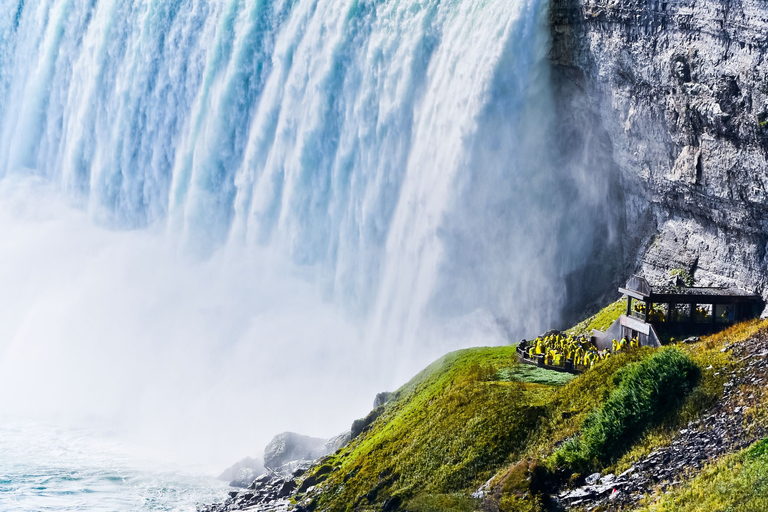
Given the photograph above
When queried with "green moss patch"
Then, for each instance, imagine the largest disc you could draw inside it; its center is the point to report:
(518, 372)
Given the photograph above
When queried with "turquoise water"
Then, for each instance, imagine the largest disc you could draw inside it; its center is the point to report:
(46, 468)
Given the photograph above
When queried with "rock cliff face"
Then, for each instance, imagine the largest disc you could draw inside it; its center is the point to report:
(676, 97)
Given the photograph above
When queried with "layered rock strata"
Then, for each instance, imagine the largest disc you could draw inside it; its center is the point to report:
(673, 95)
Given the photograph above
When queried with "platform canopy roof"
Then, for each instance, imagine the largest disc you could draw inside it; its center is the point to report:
(637, 287)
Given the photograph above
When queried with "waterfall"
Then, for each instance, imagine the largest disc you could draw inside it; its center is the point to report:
(399, 155)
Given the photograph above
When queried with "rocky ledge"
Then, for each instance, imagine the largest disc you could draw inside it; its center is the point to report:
(268, 493)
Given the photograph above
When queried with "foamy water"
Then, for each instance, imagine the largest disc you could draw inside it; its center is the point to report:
(47, 468)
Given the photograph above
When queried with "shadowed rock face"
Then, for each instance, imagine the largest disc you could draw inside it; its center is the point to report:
(674, 95)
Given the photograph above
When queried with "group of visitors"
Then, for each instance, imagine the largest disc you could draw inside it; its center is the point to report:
(558, 349)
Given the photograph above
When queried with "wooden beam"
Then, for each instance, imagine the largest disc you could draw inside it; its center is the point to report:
(631, 293)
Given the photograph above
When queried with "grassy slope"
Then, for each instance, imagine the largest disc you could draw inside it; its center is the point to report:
(450, 428)
(455, 425)
(476, 413)
(601, 320)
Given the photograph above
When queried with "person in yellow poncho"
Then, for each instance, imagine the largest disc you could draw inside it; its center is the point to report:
(623, 343)
(579, 356)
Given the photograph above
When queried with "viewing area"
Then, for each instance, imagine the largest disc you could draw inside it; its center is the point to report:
(677, 311)
(686, 310)
(672, 311)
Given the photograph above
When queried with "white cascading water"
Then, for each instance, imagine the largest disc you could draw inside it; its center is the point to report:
(250, 215)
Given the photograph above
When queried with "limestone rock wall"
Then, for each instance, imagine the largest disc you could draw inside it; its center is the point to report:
(676, 94)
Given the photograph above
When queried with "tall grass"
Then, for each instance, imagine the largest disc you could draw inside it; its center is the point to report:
(646, 392)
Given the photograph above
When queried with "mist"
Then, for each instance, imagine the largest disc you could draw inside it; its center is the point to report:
(226, 219)
(202, 360)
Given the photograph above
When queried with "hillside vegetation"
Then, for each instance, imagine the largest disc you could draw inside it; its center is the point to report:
(478, 431)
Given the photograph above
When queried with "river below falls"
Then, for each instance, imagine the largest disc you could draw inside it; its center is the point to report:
(48, 468)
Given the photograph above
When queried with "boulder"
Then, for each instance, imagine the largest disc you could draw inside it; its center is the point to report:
(243, 473)
(382, 398)
(359, 425)
(592, 479)
(290, 446)
(337, 442)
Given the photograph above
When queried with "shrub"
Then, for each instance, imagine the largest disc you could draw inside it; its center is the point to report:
(683, 274)
(646, 392)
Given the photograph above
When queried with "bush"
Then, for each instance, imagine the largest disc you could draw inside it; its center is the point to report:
(646, 392)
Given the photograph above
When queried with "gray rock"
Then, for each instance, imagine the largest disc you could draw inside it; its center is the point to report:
(577, 494)
(671, 103)
(382, 398)
(626, 473)
(337, 442)
(592, 479)
(243, 473)
(290, 446)
(358, 426)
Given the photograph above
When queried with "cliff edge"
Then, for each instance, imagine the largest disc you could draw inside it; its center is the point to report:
(674, 95)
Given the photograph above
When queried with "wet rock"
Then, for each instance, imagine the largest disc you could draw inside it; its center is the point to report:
(290, 446)
(359, 425)
(335, 443)
(608, 479)
(382, 398)
(243, 473)
(683, 113)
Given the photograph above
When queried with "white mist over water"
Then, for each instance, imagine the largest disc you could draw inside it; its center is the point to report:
(222, 219)
(192, 356)
(49, 468)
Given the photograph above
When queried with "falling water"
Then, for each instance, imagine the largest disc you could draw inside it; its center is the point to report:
(326, 190)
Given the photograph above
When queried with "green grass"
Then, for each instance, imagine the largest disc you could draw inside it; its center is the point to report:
(647, 392)
(518, 372)
(601, 320)
(477, 414)
(441, 502)
(448, 430)
(736, 483)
